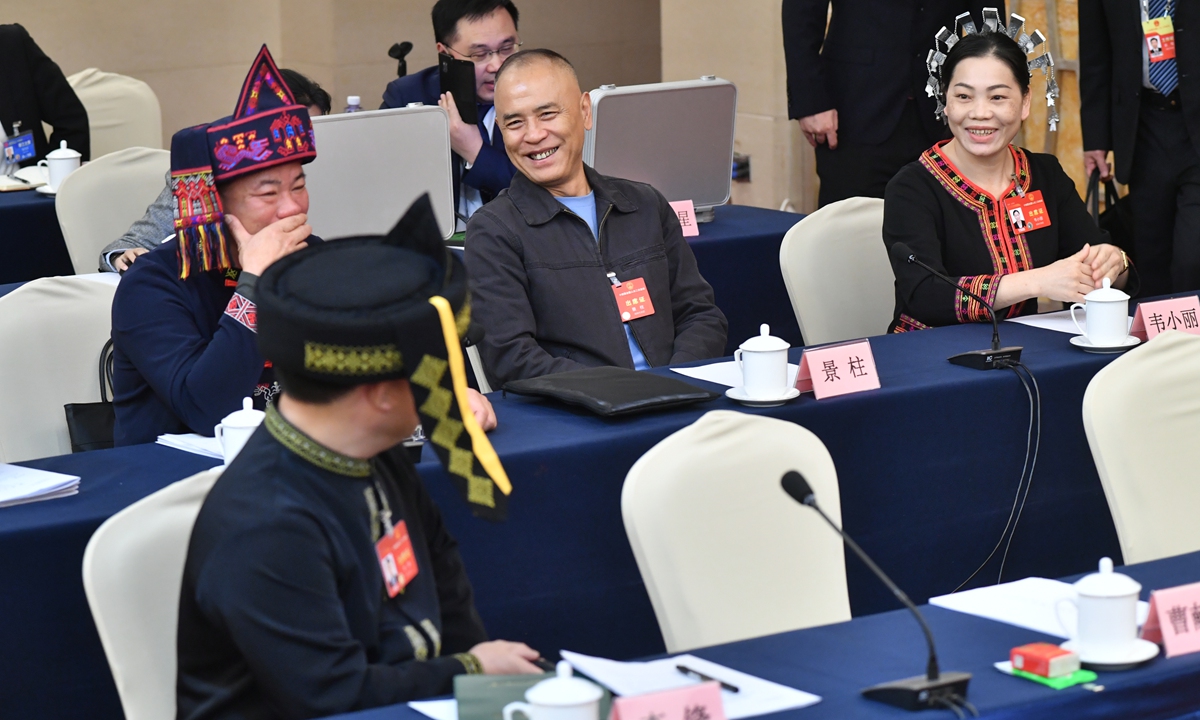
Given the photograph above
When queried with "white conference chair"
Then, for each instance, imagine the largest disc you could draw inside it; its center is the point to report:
(837, 272)
(51, 333)
(97, 203)
(1142, 418)
(132, 573)
(725, 554)
(122, 111)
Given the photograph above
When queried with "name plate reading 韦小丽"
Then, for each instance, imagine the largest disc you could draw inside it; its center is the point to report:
(1152, 318)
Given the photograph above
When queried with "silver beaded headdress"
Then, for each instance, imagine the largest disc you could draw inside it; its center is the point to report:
(964, 25)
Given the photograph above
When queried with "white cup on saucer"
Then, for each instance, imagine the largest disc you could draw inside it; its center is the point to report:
(236, 428)
(1107, 316)
(1105, 629)
(562, 697)
(763, 361)
(59, 164)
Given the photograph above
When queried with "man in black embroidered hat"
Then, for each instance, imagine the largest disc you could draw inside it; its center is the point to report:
(319, 577)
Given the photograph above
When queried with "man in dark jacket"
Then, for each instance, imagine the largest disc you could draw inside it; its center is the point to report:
(33, 91)
(485, 33)
(570, 268)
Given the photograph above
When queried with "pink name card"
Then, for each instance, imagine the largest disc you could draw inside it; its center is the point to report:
(687, 217)
(1175, 314)
(1174, 619)
(694, 702)
(833, 370)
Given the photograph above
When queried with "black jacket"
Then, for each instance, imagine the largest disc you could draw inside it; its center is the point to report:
(869, 61)
(34, 90)
(539, 288)
(1110, 74)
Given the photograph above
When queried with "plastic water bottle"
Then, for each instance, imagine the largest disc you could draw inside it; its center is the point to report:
(353, 103)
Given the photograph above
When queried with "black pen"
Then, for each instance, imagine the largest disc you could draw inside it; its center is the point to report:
(701, 676)
(19, 179)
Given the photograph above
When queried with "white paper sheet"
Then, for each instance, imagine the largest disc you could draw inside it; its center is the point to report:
(1057, 321)
(727, 373)
(1028, 603)
(756, 696)
(195, 444)
(20, 485)
(437, 709)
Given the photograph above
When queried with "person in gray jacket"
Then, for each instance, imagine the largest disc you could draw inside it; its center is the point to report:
(571, 269)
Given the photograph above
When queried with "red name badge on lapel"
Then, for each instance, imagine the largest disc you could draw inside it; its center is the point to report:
(1027, 213)
(1181, 314)
(694, 702)
(1174, 620)
(633, 299)
(839, 369)
(1160, 38)
(396, 559)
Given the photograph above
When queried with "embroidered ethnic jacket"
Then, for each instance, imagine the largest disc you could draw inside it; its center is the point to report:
(283, 611)
(961, 230)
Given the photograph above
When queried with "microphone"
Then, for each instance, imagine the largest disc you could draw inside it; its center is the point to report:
(997, 357)
(934, 689)
(397, 52)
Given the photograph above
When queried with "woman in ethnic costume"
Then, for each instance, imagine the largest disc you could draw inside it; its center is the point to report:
(954, 206)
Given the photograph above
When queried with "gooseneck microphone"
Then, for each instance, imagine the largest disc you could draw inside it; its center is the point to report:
(993, 359)
(934, 689)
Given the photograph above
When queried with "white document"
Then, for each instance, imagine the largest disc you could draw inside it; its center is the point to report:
(756, 696)
(23, 485)
(437, 709)
(1057, 321)
(1028, 603)
(727, 373)
(195, 444)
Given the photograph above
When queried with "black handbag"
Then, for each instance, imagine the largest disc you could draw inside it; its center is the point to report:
(1117, 218)
(91, 424)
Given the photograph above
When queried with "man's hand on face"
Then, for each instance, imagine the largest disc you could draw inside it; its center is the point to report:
(465, 139)
(283, 237)
(122, 262)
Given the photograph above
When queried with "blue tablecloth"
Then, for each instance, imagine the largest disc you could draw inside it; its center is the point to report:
(837, 661)
(31, 241)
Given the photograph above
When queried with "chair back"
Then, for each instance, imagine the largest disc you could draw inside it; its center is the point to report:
(122, 111)
(837, 273)
(132, 573)
(725, 554)
(52, 332)
(1142, 415)
(97, 203)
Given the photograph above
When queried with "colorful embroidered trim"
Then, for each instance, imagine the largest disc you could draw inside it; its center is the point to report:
(909, 324)
(344, 360)
(244, 311)
(968, 309)
(311, 450)
(199, 222)
(470, 662)
(417, 640)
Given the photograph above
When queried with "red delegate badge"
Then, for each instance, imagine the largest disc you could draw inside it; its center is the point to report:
(396, 559)
(633, 299)
(1160, 38)
(1027, 213)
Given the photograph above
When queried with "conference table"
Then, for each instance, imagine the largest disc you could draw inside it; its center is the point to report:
(31, 241)
(837, 661)
(928, 466)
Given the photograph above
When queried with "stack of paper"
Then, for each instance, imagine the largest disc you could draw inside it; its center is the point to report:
(1030, 603)
(727, 373)
(193, 443)
(24, 485)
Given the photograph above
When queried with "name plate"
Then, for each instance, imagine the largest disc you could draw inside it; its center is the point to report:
(686, 212)
(1175, 314)
(1174, 620)
(839, 369)
(694, 702)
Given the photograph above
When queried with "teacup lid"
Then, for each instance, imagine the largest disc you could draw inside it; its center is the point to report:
(1107, 583)
(1106, 293)
(563, 689)
(246, 417)
(63, 153)
(764, 341)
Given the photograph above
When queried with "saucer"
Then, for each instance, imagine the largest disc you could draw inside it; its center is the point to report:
(739, 394)
(45, 190)
(1082, 343)
(1139, 652)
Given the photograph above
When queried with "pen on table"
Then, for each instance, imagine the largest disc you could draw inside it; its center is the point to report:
(701, 676)
(19, 179)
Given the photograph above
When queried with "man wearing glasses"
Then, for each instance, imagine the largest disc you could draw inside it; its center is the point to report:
(485, 33)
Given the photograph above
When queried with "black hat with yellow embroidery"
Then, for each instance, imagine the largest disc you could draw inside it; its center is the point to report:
(367, 309)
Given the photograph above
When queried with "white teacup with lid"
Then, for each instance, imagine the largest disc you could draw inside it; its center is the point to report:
(59, 164)
(1105, 630)
(763, 360)
(236, 428)
(1107, 320)
(562, 697)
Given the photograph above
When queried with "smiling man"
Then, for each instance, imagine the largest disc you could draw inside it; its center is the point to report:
(546, 256)
(483, 32)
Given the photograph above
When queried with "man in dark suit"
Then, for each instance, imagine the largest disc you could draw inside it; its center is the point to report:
(1148, 114)
(33, 90)
(858, 88)
(484, 32)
